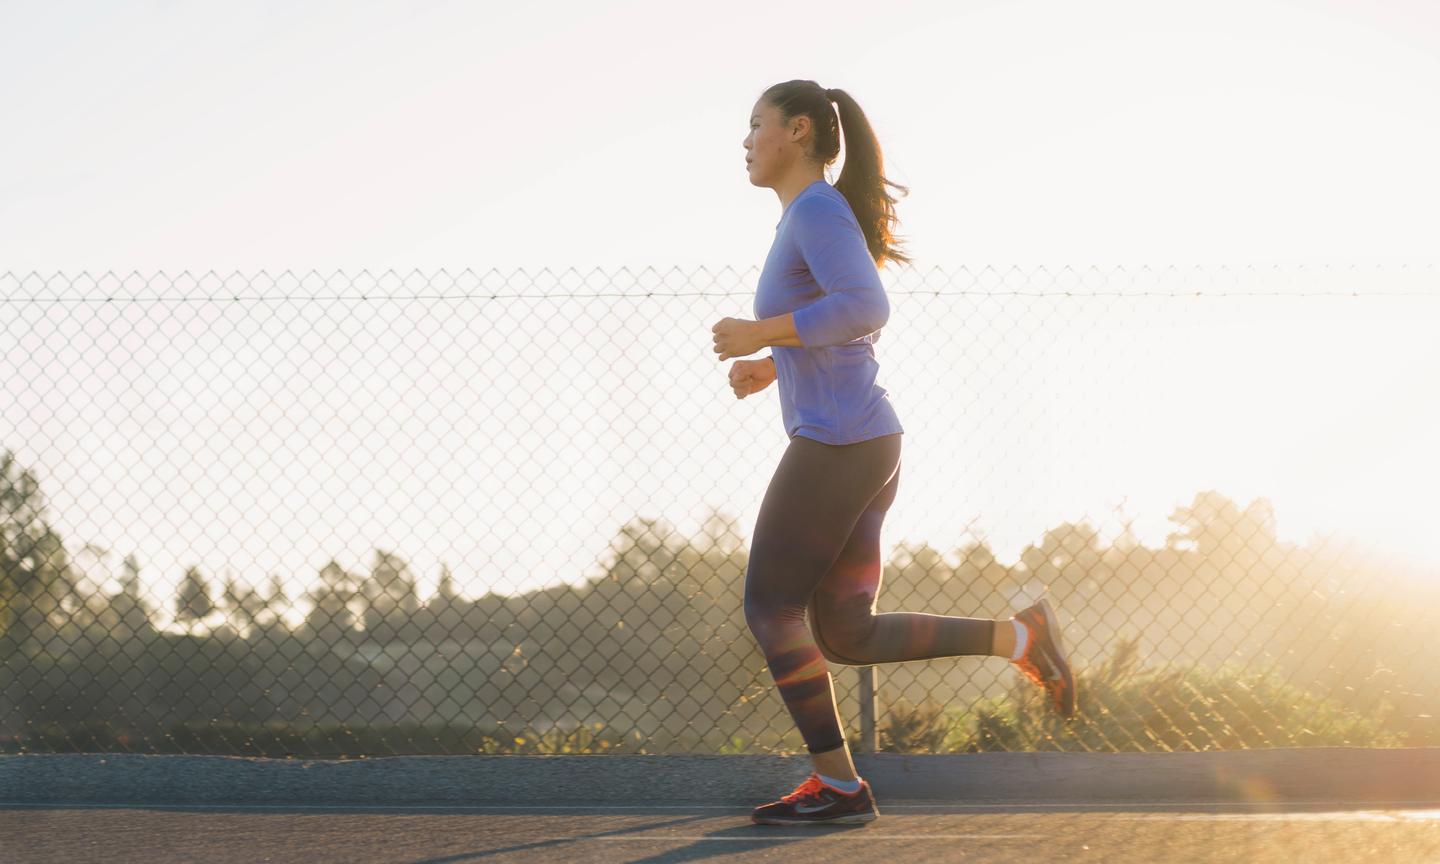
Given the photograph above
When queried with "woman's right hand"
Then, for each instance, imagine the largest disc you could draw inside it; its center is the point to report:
(751, 376)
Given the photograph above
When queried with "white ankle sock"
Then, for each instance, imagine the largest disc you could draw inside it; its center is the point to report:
(847, 786)
(1021, 631)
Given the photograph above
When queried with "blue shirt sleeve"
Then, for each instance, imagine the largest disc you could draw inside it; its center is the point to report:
(834, 249)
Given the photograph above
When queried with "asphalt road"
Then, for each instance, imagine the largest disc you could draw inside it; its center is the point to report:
(909, 832)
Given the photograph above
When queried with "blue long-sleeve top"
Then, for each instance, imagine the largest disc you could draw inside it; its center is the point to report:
(820, 269)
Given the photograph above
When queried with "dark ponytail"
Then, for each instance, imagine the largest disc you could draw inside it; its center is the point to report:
(862, 180)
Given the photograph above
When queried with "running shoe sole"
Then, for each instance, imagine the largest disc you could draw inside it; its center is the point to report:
(837, 820)
(1049, 641)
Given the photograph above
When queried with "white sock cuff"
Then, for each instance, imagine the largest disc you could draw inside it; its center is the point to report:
(1021, 634)
(842, 785)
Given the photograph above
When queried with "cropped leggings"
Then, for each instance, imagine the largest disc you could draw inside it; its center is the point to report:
(816, 546)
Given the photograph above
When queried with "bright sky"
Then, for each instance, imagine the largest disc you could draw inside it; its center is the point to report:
(161, 135)
(425, 135)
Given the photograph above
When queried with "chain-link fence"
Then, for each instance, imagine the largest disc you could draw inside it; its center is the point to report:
(355, 515)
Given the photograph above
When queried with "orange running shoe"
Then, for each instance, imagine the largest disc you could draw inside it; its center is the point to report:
(1044, 659)
(816, 803)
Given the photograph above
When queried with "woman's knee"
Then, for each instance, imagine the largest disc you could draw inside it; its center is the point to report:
(779, 586)
(756, 614)
(841, 629)
(844, 654)
(831, 655)
(767, 613)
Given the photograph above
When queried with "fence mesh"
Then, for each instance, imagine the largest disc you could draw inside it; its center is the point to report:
(357, 515)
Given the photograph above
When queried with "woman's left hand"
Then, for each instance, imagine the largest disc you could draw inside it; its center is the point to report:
(737, 337)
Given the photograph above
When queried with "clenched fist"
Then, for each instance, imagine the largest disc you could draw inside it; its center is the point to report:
(736, 337)
(751, 376)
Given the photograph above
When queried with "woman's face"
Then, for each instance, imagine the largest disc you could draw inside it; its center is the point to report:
(772, 146)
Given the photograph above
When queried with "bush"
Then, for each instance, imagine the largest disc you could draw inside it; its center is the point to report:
(1123, 707)
(923, 728)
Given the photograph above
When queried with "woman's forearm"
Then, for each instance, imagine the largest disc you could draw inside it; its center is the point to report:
(780, 330)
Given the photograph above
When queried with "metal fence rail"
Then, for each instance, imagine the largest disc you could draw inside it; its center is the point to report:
(369, 515)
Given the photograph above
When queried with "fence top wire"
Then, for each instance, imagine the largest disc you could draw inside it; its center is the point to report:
(544, 282)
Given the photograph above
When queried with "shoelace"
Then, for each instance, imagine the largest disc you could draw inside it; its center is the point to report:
(1031, 671)
(809, 789)
(1052, 686)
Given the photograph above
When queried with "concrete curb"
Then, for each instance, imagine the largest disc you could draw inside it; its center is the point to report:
(1339, 774)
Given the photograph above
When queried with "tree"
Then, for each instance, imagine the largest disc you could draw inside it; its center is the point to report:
(242, 604)
(1071, 543)
(193, 602)
(36, 577)
(1221, 532)
(720, 532)
(390, 594)
(331, 618)
(131, 611)
(446, 591)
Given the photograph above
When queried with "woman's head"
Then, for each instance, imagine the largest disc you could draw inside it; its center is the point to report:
(795, 127)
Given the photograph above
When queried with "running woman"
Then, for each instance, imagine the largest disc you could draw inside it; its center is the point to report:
(820, 305)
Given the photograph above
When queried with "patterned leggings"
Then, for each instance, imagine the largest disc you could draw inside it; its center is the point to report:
(817, 546)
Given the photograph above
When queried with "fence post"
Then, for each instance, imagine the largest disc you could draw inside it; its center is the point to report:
(868, 742)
